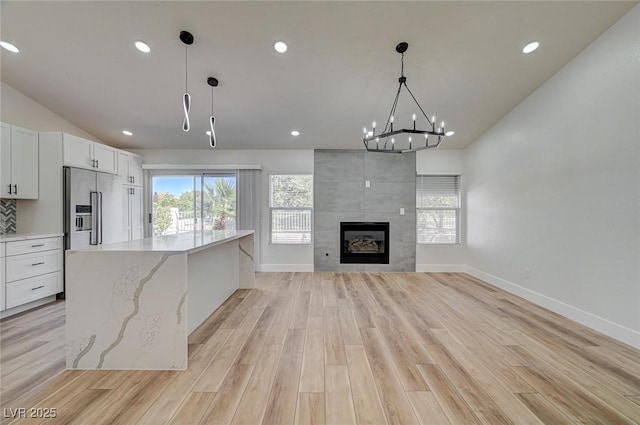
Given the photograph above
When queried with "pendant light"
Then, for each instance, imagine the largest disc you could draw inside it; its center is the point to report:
(213, 82)
(187, 38)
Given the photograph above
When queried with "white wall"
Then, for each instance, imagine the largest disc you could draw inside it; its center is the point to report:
(18, 109)
(272, 257)
(45, 214)
(442, 258)
(553, 190)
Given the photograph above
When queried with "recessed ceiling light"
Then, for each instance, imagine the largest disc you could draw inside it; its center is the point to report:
(10, 47)
(127, 133)
(530, 47)
(449, 133)
(295, 133)
(142, 46)
(280, 47)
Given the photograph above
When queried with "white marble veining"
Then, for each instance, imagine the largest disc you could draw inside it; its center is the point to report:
(246, 264)
(27, 236)
(182, 242)
(126, 311)
(133, 308)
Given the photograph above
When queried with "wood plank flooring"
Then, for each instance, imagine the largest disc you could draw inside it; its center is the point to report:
(343, 348)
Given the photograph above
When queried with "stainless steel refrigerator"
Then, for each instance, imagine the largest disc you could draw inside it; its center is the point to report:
(92, 208)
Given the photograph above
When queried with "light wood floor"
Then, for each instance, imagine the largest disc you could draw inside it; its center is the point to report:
(345, 348)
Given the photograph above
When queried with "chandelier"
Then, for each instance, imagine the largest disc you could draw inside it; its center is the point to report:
(405, 139)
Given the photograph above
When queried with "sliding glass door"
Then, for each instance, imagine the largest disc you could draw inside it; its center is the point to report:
(193, 202)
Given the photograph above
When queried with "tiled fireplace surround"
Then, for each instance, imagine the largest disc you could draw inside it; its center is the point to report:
(340, 195)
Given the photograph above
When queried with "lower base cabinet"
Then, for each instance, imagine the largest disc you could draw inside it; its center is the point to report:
(27, 290)
(31, 270)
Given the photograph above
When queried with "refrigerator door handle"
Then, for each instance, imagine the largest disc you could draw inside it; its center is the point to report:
(100, 217)
(93, 239)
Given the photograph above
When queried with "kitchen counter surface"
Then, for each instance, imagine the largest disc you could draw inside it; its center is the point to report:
(132, 306)
(11, 237)
(182, 242)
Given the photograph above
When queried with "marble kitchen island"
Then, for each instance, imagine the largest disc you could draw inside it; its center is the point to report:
(132, 305)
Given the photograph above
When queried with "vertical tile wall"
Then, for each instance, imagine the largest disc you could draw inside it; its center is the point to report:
(340, 195)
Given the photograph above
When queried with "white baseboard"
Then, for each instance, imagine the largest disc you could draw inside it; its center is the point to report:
(24, 307)
(441, 268)
(614, 330)
(285, 268)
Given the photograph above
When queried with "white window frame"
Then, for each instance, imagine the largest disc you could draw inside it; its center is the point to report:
(457, 210)
(201, 173)
(271, 208)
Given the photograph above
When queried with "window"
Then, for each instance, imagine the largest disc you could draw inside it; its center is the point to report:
(291, 208)
(438, 209)
(188, 202)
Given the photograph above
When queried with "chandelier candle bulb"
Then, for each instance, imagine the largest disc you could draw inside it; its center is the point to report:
(374, 127)
(414, 121)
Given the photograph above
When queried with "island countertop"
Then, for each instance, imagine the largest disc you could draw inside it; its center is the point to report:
(188, 242)
(132, 305)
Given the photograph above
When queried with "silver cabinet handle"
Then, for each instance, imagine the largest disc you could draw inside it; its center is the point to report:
(35, 246)
(37, 287)
(97, 163)
(9, 189)
(38, 264)
(15, 189)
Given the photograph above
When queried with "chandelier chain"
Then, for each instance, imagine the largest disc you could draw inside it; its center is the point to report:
(421, 110)
(393, 109)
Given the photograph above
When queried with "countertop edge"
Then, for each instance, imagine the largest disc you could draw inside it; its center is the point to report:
(15, 237)
(140, 245)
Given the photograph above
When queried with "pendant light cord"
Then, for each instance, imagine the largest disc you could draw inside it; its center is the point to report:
(186, 68)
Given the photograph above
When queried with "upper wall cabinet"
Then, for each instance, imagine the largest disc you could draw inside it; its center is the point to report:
(18, 162)
(130, 168)
(83, 153)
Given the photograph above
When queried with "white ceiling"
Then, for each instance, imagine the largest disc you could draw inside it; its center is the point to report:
(464, 64)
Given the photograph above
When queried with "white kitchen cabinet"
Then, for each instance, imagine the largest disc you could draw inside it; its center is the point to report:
(18, 162)
(32, 269)
(2, 284)
(106, 158)
(83, 153)
(130, 168)
(132, 208)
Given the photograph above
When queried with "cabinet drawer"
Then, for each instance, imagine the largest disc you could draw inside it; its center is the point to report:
(33, 245)
(2, 249)
(30, 265)
(32, 289)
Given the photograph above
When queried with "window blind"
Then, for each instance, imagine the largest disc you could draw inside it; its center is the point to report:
(438, 209)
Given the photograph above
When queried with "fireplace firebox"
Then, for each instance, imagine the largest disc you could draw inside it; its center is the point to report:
(364, 243)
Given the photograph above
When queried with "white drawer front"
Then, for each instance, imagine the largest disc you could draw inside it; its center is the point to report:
(30, 265)
(33, 245)
(2, 244)
(33, 289)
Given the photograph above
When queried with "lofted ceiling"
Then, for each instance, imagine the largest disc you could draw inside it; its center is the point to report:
(464, 64)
